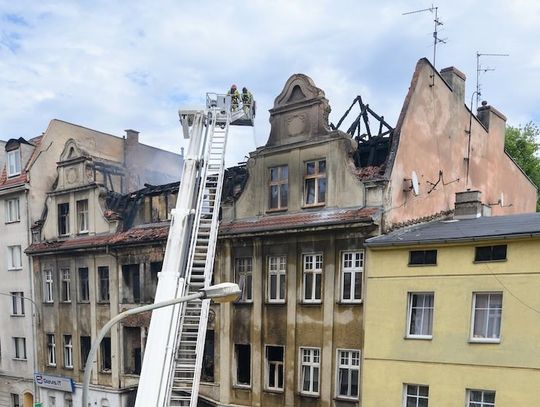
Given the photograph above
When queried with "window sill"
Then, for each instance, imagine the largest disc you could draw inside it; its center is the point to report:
(309, 395)
(422, 265)
(48, 302)
(274, 391)
(346, 399)
(9, 222)
(83, 232)
(51, 365)
(357, 302)
(317, 205)
(243, 303)
(275, 302)
(277, 210)
(65, 302)
(14, 175)
(17, 315)
(83, 302)
(242, 386)
(484, 340)
(419, 337)
(308, 303)
(103, 302)
(15, 269)
(489, 261)
(68, 367)
(107, 372)
(19, 360)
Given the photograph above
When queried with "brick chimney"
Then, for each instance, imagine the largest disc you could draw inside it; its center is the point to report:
(469, 205)
(489, 116)
(132, 137)
(456, 80)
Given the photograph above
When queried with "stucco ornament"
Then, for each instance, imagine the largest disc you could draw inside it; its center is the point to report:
(296, 124)
(72, 176)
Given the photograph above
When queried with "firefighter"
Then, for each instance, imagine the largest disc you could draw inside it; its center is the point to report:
(235, 97)
(247, 102)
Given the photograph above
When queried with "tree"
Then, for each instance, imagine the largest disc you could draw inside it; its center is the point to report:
(521, 143)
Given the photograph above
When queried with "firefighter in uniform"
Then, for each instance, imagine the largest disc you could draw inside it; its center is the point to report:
(235, 97)
(247, 102)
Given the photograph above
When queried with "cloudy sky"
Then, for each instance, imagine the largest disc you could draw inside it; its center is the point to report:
(113, 65)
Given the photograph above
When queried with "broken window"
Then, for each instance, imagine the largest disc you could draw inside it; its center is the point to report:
(86, 344)
(277, 268)
(279, 187)
(315, 183)
(274, 367)
(65, 289)
(490, 253)
(243, 269)
(105, 359)
(103, 275)
(312, 277)
(84, 286)
(132, 350)
(132, 283)
(82, 215)
(207, 372)
(352, 267)
(242, 355)
(63, 219)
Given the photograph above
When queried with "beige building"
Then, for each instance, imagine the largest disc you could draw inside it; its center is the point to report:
(296, 216)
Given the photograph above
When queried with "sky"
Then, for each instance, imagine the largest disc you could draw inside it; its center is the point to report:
(116, 65)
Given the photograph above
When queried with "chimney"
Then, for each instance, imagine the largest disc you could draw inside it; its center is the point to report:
(488, 115)
(456, 80)
(132, 136)
(468, 205)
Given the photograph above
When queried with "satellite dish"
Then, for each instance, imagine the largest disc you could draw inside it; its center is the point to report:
(414, 183)
(501, 200)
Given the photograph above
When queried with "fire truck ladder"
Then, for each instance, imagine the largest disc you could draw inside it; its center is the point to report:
(173, 357)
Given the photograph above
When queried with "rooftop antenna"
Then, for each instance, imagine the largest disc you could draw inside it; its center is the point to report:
(479, 69)
(434, 10)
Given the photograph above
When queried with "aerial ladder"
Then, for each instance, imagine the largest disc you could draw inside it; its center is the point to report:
(173, 355)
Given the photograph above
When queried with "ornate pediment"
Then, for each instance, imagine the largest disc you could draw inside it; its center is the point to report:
(72, 151)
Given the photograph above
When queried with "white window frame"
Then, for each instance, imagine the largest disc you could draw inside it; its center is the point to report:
(352, 364)
(278, 183)
(243, 270)
(67, 342)
(48, 286)
(14, 257)
(51, 350)
(104, 295)
(278, 366)
(481, 403)
(64, 219)
(316, 176)
(65, 288)
(19, 347)
(14, 162)
(82, 216)
(423, 309)
(277, 270)
(316, 270)
(483, 339)
(17, 304)
(417, 396)
(355, 267)
(310, 358)
(13, 210)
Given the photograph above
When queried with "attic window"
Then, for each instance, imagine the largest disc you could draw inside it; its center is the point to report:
(71, 153)
(14, 162)
(422, 257)
(490, 253)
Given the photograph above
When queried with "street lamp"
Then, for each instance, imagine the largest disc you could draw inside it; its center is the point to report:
(224, 292)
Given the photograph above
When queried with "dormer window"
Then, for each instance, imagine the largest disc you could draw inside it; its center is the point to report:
(14, 162)
(315, 183)
(63, 219)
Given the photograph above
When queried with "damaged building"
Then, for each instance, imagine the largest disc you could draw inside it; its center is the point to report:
(296, 216)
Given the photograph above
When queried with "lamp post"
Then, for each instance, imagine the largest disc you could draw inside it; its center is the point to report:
(224, 292)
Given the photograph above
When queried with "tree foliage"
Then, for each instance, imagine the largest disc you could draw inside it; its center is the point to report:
(522, 144)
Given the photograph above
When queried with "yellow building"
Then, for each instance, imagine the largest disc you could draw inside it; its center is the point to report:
(452, 314)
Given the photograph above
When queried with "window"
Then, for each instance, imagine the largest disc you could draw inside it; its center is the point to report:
(242, 355)
(82, 215)
(103, 273)
(14, 258)
(490, 253)
(52, 401)
(63, 219)
(68, 400)
(416, 396)
(348, 373)
(315, 183)
(422, 257)
(19, 345)
(310, 370)
(480, 398)
(15, 400)
(420, 315)
(86, 344)
(84, 287)
(17, 303)
(243, 268)
(105, 349)
(312, 277)
(352, 267)
(51, 350)
(207, 371)
(65, 294)
(68, 352)
(277, 268)
(274, 367)
(14, 162)
(486, 320)
(12, 210)
(48, 286)
(279, 187)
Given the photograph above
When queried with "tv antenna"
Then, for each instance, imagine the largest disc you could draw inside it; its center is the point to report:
(479, 69)
(436, 40)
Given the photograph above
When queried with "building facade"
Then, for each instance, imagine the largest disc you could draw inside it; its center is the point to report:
(451, 315)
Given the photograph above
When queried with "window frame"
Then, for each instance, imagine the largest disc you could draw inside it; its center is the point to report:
(349, 367)
(65, 285)
(279, 182)
(12, 210)
(63, 219)
(12, 249)
(83, 285)
(236, 383)
(17, 342)
(277, 273)
(481, 403)
(316, 273)
(317, 176)
(410, 296)
(417, 395)
(479, 339)
(67, 346)
(15, 153)
(17, 304)
(48, 286)
(105, 342)
(491, 259)
(84, 355)
(244, 278)
(101, 280)
(15, 400)
(82, 214)
(51, 350)
(424, 260)
(354, 271)
(312, 365)
(278, 366)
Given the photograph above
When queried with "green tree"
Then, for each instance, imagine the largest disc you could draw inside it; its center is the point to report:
(522, 144)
